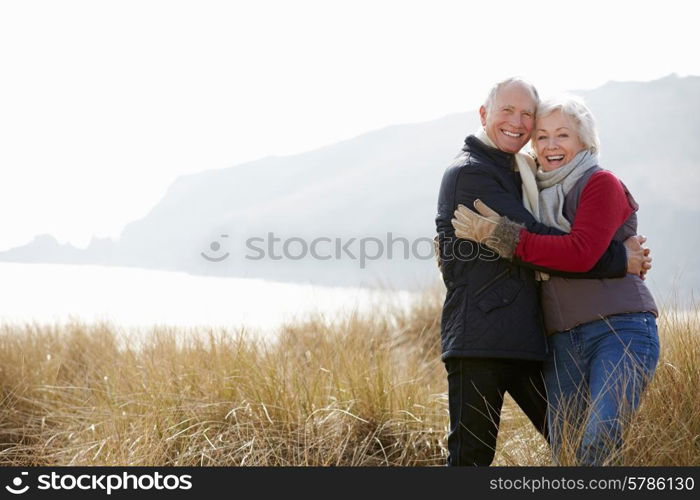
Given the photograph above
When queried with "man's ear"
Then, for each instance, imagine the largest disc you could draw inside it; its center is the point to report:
(482, 114)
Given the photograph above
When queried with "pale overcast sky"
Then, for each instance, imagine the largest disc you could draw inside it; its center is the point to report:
(103, 104)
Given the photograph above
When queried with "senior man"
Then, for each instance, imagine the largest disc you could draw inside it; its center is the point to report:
(492, 332)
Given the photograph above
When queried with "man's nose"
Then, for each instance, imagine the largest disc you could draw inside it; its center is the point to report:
(516, 120)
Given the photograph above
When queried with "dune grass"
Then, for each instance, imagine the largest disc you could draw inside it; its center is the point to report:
(366, 390)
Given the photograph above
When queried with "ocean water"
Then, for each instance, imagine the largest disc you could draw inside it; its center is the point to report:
(137, 299)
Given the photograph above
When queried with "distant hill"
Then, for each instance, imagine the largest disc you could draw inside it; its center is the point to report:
(386, 181)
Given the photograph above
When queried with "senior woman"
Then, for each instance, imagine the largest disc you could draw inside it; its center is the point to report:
(602, 334)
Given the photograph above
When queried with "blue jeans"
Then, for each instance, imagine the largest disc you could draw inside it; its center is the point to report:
(595, 375)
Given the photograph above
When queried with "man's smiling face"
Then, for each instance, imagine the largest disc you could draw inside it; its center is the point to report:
(511, 117)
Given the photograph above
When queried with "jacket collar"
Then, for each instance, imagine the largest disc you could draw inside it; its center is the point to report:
(499, 158)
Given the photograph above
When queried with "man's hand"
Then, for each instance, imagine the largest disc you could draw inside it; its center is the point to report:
(436, 248)
(638, 258)
(647, 263)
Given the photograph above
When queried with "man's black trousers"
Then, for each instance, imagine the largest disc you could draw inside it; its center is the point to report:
(476, 388)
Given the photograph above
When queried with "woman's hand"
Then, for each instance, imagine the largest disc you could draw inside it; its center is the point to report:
(487, 227)
(478, 227)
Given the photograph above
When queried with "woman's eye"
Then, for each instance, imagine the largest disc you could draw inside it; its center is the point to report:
(541, 137)
(563, 136)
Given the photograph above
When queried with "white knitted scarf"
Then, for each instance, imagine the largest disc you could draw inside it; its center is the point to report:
(556, 184)
(527, 168)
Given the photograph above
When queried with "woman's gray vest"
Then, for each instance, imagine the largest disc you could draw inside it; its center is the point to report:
(571, 302)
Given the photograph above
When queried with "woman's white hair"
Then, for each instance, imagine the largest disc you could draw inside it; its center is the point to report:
(573, 107)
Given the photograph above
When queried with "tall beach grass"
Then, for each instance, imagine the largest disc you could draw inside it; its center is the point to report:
(361, 390)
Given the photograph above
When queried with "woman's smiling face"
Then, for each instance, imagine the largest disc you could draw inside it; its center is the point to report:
(556, 140)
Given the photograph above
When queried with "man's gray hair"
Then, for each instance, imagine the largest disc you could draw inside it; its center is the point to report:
(573, 107)
(488, 104)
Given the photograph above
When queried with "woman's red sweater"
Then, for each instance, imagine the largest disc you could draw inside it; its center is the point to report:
(602, 209)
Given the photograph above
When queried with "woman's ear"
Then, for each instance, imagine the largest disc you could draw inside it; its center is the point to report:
(534, 157)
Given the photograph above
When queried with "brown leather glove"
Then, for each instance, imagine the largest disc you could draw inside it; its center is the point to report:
(436, 247)
(488, 228)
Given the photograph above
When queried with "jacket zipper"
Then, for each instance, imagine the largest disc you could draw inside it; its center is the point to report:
(492, 281)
